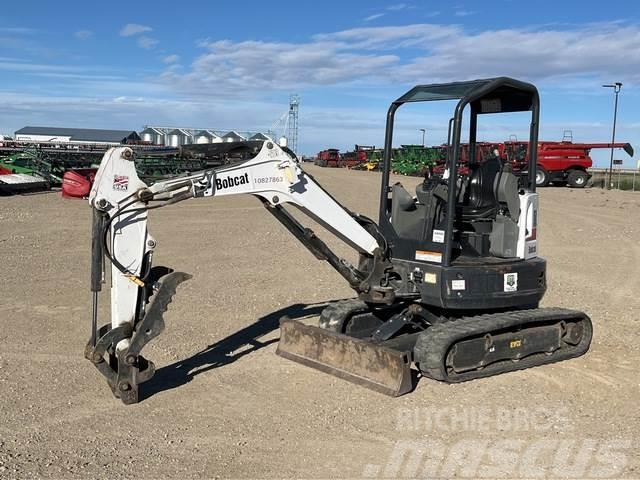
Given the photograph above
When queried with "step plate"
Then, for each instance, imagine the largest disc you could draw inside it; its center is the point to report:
(368, 364)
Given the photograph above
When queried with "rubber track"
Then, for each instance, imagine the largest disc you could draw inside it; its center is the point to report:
(333, 316)
(433, 345)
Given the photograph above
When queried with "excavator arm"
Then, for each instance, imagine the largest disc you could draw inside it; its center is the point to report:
(140, 292)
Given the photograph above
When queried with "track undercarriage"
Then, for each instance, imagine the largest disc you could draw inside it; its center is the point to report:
(375, 346)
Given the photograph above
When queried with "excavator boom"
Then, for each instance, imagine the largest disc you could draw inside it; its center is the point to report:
(140, 292)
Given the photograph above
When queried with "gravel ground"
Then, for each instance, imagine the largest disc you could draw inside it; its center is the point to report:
(222, 404)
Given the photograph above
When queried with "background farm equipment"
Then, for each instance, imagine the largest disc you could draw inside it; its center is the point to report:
(564, 163)
(374, 157)
(45, 164)
(416, 159)
(328, 158)
(41, 167)
(356, 157)
(560, 163)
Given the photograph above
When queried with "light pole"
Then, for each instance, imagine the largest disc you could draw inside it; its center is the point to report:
(423, 130)
(616, 89)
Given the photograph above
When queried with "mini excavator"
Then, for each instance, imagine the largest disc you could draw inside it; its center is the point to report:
(448, 281)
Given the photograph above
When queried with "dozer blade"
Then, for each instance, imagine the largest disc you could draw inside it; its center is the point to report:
(365, 363)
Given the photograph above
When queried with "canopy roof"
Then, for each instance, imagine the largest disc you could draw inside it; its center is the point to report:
(507, 94)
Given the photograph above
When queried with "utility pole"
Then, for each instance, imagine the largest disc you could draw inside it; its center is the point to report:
(423, 130)
(616, 89)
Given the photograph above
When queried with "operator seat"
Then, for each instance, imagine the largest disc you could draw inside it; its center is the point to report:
(407, 216)
(480, 195)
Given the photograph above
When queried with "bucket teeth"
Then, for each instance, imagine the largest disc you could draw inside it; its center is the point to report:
(152, 324)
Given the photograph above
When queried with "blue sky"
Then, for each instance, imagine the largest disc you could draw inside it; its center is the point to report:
(230, 65)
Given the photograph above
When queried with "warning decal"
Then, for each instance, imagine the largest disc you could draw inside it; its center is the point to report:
(120, 183)
(510, 282)
(426, 256)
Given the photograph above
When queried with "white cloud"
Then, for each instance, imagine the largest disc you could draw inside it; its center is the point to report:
(83, 34)
(134, 29)
(147, 42)
(372, 17)
(596, 51)
(366, 61)
(132, 111)
(416, 53)
(389, 37)
(344, 125)
(253, 66)
(171, 58)
(125, 99)
(463, 13)
(397, 7)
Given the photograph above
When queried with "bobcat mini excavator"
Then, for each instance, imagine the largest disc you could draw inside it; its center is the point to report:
(448, 280)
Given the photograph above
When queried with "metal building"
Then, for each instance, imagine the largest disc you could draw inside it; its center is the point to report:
(206, 136)
(260, 136)
(177, 137)
(232, 136)
(152, 135)
(83, 136)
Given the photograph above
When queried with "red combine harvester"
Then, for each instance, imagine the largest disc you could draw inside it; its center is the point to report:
(355, 157)
(558, 162)
(328, 158)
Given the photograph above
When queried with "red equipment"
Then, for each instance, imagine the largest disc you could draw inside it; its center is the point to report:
(559, 162)
(331, 157)
(328, 158)
(77, 183)
(356, 157)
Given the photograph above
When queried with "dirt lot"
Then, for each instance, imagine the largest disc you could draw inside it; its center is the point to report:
(222, 404)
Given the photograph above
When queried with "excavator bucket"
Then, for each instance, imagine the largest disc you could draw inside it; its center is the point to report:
(371, 365)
